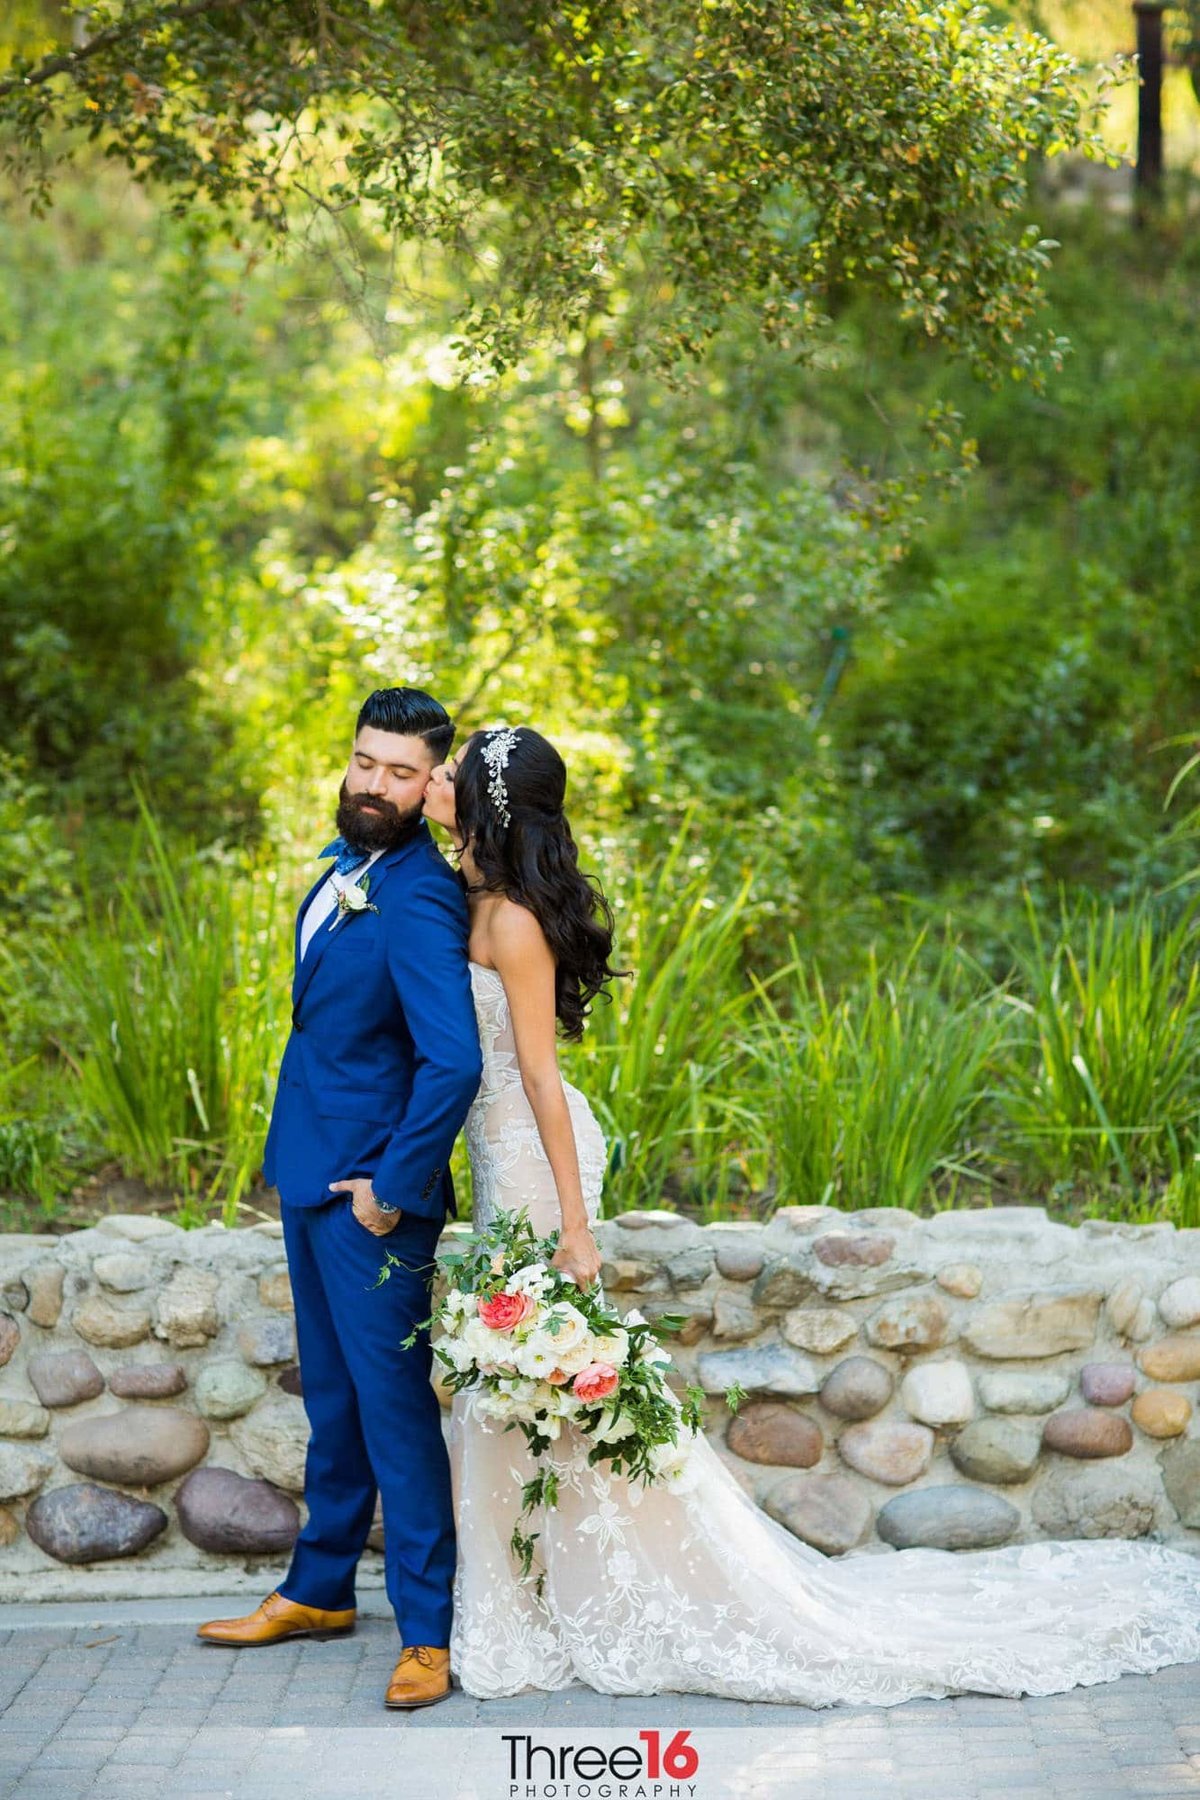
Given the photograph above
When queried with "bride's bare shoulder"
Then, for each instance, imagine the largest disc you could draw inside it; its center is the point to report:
(514, 934)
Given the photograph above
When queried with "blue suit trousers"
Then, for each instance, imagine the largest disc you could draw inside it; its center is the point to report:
(374, 1417)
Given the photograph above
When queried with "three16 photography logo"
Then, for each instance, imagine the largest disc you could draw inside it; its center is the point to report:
(649, 1769)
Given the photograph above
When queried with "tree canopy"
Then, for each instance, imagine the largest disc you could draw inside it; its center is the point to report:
(657, 164)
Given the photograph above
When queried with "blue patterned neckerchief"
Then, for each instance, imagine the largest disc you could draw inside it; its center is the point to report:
(348, 858)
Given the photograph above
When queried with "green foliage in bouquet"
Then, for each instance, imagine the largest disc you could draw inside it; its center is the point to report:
(634, 1421)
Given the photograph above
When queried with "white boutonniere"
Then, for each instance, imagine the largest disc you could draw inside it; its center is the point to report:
(353, 899)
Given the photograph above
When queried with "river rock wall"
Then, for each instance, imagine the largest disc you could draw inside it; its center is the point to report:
(978, 1378)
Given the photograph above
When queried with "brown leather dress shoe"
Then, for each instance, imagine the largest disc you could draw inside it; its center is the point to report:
(421, 1677)
(277, 1619)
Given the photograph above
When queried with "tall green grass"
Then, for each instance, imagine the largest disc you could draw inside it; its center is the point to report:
(664, 1063)
(181, 983)
(720, 1090)
(871, 1095)
(1108, 1084)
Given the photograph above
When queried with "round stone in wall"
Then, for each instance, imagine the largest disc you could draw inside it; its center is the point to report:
(1179, 1304)
(1174, 1358)
(1034, 1326)
(112, 1324)
(45, 1283)
(770, 1432)
(938, 1393)
(148, 1381)
(1123, 1305)
(916, 1322)
(83, 1523)
(231, 1514)
(691, 1268)
(782, 1283)
(23, 1419)
(123, 1271)
(10, 1337)
(275, 1289)
(186, 1314)
(947, 1518)
(858, 1388)
(137, 1447)
(887, 1450)
(771, 1368)
(273, 1439)
(862, 1249)
(226, 1390)
(733, 1317)
(1086, 1431)
(1023, 1391)
(1107, 1383)
(265, 1342)
(64, 1377)
(962, 1279)
(830, 1512)
(821, 1329)
(1180, 1464)
(999, 1450)
(739, 1261)
(14, 1295)
(22, 1470)
(1161, 1412)
(1107, 1500)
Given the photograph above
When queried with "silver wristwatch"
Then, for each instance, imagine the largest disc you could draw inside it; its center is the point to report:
(382, 1205)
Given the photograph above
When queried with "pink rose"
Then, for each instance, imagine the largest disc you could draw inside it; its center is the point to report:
(506, 1311)
(556, 1377)
(596, 1382)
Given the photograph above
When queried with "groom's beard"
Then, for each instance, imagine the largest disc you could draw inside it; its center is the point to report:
(367, 829)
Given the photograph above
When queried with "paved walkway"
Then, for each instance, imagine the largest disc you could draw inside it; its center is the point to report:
(114, 1700)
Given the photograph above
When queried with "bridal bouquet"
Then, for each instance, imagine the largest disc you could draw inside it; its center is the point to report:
(545, 1352)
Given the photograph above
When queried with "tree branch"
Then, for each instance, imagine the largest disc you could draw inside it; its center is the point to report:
(114, 34)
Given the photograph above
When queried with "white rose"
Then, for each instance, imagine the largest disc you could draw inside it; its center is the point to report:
(457, 1354)
(571, 1339)
(618, 1426)
(612, 1349)
(494, 1406)
(488, 1348)
(674, 1465)
(533, 1279)
(354, 898)
(535, 1357)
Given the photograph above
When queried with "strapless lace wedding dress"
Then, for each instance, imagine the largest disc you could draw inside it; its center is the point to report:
(701, 1592)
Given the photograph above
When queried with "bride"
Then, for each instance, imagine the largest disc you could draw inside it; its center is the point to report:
(645, 1590)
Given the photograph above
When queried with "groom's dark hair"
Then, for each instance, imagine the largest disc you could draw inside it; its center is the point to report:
(409, 712)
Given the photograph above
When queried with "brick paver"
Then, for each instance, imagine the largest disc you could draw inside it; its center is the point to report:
(121, 1700)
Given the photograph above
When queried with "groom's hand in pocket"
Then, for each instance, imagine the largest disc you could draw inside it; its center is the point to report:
(362, 1204)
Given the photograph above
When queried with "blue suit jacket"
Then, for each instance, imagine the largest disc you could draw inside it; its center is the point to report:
(383, 1060)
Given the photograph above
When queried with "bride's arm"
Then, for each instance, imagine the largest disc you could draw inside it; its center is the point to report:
(525, 964)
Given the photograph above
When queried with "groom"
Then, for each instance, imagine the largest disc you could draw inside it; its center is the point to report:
(377, 1077)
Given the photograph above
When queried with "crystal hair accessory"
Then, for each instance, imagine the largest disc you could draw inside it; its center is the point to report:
(495, 753)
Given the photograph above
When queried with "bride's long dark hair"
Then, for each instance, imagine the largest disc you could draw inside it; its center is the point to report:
(534, 860)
